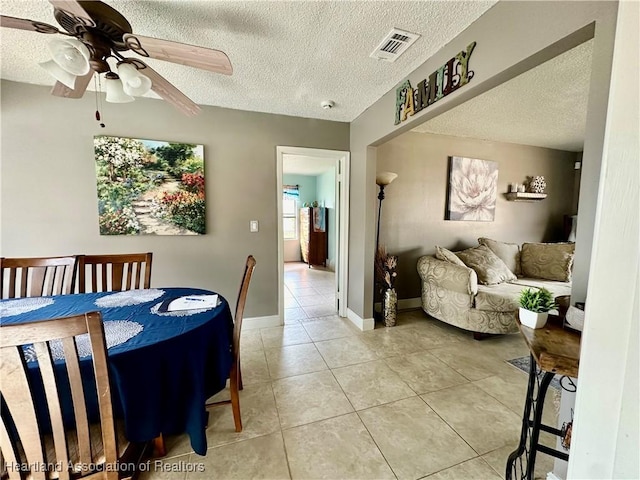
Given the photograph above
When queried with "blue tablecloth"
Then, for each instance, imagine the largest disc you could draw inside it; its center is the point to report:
(162, 376)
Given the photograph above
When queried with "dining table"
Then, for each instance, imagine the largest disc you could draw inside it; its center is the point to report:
(163, 364)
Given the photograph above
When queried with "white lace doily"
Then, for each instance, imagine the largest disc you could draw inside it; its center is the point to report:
(129, 297)
(116, 332)
(178, 313)
(23, 305)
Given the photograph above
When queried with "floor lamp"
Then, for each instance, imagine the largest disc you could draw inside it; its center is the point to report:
(382, 180)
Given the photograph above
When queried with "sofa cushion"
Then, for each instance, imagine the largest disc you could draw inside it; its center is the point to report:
(440, 274)
(489, 268)
(448, 256)
(556, 288)
(551, 261)
(509, 253)
(498, 298)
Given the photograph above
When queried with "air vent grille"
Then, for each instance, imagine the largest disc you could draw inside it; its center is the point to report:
(394, 44)
(401, 38)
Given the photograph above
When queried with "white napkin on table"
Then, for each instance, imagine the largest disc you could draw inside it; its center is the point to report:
(191, 302)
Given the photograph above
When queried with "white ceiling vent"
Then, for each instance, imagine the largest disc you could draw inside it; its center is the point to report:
(394, 45)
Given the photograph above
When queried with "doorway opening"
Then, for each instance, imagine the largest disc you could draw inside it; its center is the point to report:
(312, 285)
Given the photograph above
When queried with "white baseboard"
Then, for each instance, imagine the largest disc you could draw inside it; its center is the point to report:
(409, 303)
(274, 320)
(362, 323)
(553, 476)
(262, 322)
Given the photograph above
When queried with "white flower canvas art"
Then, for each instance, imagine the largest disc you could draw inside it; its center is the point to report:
(473, 187)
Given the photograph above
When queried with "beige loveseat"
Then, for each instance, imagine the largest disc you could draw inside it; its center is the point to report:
(477, 289)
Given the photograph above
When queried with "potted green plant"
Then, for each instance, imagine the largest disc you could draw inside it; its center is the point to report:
(534, 307)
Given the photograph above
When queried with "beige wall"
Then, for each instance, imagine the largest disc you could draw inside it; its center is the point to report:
(48, 196)
(413, 219)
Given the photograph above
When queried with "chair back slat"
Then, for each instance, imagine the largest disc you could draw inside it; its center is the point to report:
(8, 454)
(16, 391)
(103, 269)
(116, 272)
(37, 277)
(39, 281)
(53, 403)
(101, 372)
(117, 269)
(77, 397)
(133, 281)
(12, 281)
(17, 396)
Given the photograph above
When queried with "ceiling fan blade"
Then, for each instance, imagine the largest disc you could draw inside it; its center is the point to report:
(73, 8)
(190, 55)
(61, 90)
(25, 24)
(165, 89)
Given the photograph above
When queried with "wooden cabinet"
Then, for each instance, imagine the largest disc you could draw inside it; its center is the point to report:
(313, 235)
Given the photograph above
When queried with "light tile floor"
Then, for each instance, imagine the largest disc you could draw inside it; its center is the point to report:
(323, 400)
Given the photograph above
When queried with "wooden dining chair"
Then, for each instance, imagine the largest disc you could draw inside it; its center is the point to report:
(235, 375)
(37, 277)
(22, 440)
(115, 272)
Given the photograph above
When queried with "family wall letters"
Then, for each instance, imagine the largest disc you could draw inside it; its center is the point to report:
(446, 79)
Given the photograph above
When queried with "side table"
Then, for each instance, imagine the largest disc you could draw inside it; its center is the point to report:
(554, 351)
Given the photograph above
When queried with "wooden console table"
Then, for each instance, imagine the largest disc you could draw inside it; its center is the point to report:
(554, 351)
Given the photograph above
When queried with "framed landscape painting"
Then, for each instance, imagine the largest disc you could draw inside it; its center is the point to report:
(149, 187)
(473, 188)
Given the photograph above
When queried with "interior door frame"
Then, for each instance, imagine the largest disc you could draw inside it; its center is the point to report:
(342, 162)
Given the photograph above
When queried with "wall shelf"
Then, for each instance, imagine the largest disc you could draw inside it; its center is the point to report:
(525, 196)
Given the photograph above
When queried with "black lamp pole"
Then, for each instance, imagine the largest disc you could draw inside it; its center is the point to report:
(375, 290)
(380, 198)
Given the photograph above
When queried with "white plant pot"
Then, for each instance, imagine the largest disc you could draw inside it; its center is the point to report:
(532, 319)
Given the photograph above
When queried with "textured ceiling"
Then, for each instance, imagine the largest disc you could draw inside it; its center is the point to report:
(287, 56)
(544, 107)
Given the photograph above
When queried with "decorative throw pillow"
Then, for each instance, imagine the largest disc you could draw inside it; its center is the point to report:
(487, 265)
(509, 253)
(551, 261)
(448, 256)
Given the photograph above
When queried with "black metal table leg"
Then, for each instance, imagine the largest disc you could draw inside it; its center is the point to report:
(521, 462)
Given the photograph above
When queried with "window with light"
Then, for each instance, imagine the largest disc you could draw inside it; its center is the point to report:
(290, 196)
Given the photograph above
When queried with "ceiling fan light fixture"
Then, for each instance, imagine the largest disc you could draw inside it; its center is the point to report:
(134, 83)
(71, 55)
(115, 90)
(94, 33)
(59, 73)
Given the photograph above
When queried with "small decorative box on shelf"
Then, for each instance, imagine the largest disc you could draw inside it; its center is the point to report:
(525, 196)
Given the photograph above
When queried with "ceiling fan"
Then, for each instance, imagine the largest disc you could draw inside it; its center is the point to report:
(96, 32)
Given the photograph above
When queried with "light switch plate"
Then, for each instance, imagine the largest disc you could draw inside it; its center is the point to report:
(253, 226)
